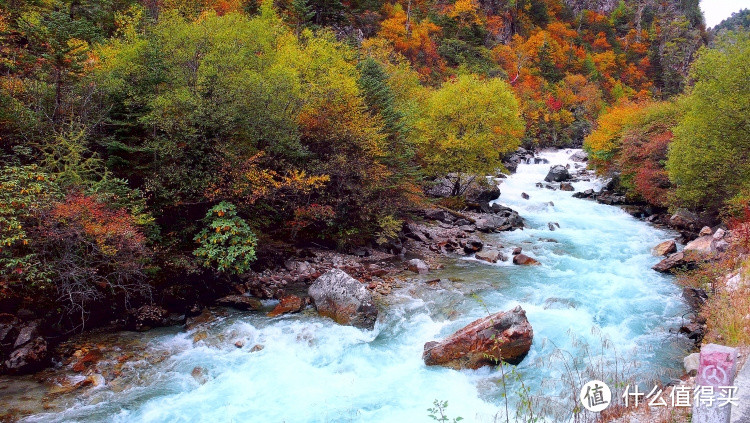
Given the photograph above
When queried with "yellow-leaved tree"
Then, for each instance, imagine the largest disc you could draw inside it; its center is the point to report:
(466, 127)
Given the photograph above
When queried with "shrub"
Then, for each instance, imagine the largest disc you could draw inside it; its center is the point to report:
(227, 243)
(90, 251)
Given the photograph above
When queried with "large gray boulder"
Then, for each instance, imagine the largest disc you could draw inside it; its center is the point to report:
(557, 173)
(344, 299)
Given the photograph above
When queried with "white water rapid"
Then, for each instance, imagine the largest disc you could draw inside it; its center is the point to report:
(595, 274)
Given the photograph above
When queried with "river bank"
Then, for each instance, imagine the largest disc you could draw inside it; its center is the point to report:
(594, 273)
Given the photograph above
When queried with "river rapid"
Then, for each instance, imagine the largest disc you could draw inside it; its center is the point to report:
(594, 297)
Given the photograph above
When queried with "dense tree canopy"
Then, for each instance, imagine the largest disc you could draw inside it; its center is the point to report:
(124, 124)
(708, 160)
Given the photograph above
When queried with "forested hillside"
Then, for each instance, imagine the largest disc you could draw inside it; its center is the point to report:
(150, 141)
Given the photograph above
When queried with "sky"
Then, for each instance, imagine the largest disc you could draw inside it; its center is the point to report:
(716, 11)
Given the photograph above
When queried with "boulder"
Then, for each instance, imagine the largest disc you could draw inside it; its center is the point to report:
(676, 261)
(30, 357)
(287, 304)
(579, 156)
(684, 219)
(9, 329)
(557, 173)
(492, 223)
(505, 336)
(693, 331)
(439, 215)
(344, 299)
(524, 260)
(240, 302)
(691, 363)
(482, 194)
(517, 251)
(147, 317)
(735, 281)
(589, 193)
(525, 196)
(551, 225)
(706, 231)
(26, 333)
(704, 245)
(413, 231)
(695, 297)
(611, 198)
(417, 266)
(566, 186)
(489, 255)
(665, 248)
(472, 244)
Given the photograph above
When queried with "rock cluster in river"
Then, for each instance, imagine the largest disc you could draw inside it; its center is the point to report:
(505, 336)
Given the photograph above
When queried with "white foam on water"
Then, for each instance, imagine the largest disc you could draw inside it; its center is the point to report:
(596, 275)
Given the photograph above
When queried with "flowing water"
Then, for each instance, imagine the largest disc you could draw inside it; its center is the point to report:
(595, 282)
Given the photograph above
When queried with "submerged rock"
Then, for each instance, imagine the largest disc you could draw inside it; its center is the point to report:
(200, 375)
(665, 248)
(503, 336)
(417, 266)
(490, 256)
(566, 186)
(205, 317)
(344, 299)
(524, 260)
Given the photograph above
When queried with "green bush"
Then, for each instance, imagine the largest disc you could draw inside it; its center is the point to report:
(227, 243)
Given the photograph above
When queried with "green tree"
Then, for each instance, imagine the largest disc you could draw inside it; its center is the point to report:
(708, 160)
(467, 125)
(227, 243)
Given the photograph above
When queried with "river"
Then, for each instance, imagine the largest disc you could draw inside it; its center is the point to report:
(595, 283)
